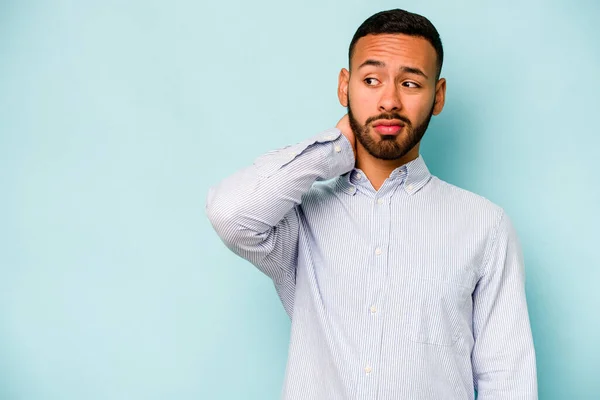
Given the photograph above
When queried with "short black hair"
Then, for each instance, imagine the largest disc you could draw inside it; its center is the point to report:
(402, 22)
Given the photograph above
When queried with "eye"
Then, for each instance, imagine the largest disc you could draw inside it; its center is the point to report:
(411, 85)
(370, 81)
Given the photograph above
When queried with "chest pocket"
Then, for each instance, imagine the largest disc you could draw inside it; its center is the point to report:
(434, 310)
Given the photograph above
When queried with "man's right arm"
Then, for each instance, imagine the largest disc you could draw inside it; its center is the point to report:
(254, 210)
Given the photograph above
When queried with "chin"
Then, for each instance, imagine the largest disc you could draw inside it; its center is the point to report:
(378, 137)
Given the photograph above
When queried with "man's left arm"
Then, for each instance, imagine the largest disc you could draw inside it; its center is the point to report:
(503, 355)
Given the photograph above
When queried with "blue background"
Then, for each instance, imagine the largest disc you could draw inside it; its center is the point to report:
(116, 117)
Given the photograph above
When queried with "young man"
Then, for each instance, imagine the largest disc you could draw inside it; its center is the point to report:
(398, 284)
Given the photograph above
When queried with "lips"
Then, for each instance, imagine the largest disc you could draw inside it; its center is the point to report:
(388, 127)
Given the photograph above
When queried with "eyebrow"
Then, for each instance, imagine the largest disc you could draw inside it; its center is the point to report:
(404, 68)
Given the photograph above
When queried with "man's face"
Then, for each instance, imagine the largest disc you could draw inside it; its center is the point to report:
(391, 93)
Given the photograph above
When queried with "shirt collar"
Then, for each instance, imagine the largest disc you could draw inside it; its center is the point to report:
(412, 176)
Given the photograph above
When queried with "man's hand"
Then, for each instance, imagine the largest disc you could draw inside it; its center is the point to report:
(344, 126)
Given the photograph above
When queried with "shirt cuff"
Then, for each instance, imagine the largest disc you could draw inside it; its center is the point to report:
(342, 158)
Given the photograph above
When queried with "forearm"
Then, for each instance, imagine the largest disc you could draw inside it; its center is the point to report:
(244, 207)
(506, 368)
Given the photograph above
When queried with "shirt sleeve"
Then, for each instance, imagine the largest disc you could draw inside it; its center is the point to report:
(254, 210)
(503, 355)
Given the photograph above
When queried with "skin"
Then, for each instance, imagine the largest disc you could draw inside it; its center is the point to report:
(399, 85)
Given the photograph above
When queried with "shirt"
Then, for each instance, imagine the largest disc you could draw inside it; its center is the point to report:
(413, 291)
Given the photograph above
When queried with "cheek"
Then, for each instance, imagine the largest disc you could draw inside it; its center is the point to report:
(363, 102)
(417, 109)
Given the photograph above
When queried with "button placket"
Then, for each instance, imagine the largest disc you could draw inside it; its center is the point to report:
(378, 274)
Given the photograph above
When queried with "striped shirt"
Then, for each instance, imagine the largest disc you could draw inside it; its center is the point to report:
(413, 291)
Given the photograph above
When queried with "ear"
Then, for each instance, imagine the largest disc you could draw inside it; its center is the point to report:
(440, 96)
(343, 87)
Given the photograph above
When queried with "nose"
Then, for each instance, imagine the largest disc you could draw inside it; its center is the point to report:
(389, 100)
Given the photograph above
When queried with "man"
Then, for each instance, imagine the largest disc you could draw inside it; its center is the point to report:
(398, 284)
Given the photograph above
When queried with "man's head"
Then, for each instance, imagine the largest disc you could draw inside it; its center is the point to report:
(392, 87)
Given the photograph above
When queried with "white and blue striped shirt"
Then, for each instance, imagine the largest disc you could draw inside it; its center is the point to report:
(414, 291)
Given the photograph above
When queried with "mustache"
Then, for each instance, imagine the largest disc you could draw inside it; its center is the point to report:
(388, 116)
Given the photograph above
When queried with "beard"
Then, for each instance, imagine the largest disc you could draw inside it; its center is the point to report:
(390, 147)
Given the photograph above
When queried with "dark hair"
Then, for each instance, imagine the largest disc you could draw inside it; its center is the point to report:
(402, 22)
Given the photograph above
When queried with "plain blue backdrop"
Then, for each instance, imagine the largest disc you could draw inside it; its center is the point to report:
(116, 117)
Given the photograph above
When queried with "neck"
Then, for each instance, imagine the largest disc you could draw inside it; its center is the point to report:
(378, 170)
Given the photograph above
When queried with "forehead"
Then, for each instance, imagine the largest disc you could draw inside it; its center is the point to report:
(395, 50)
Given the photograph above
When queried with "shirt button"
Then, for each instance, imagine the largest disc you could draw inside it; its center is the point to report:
(378, 251)
(373, 309)
(410, 187)
(358, 176)
(337, 148)
(368, 369)
(379, 201)
(351, 189)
